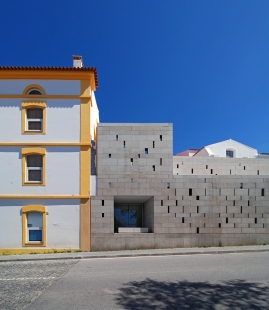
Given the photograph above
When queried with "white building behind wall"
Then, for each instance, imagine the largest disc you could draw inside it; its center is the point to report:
(48, 118)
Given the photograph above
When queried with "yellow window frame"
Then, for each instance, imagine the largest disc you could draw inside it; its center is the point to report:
(25, 211)
(33, 151)
(33, 104)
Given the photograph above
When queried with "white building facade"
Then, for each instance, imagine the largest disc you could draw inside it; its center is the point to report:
(48, 119)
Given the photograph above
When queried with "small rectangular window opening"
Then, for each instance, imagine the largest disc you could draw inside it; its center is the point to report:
(182, 220)
(131, 161)
(230, 171)
(161, 202)
(255, 220)
(117, 138)
(241, 209)
(109, 155)
(192, 170)
(168, 185)
(219, 225)
(258, 172)
(161, 161)
(176, 202)
(197, 209)
(109, 184)
(248, 203)
(206, 166)
(197, 197)
(168, 209)
(138, 155)
(211, 171)
(197, 230)
(124, 145)
(153, 168)
(190, 191)
(262, 192)
(226, 220)
(153, 144)
(244, 167)
(241, 185)
(177, 165)
(103, 214)
(161, 138)
(132, 180)
(103, 202)
(146, 151)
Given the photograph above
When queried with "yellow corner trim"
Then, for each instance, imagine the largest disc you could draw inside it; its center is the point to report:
(33, 104)
(34, 208)
(14, 96)
(33, 86)
(33, 150)
(28, 151)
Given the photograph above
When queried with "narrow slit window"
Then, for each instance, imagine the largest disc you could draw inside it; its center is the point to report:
(124, 145)
(206, 166)
(132, 161)
(161, 161)
(138, 155)
(211, 171)
(197, 209)
(258, 172)
(197, 197)
(103, 214)
(197, 230)
(255, 220)
(161, 202)
(241, 209)
(109, 155)
(177, 165)
(161, 138)
(262, 192)
(183, 220)
(109, 184)
(153, 144)
(146, 151)
(103, 202)
(192, 170)
(190, 191)
(117, 138)
(153, 168)
(168, 185)
(176, 202)
(241, 185)
(244, 167)
(219, 225)
(226, 220)
(168, 209)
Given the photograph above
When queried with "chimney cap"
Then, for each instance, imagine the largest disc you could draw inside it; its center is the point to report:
(77, 61)
(77, 57)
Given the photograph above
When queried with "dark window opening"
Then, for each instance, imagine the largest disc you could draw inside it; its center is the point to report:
(117, 138)
(168, 209)
(161, 138)
(197, 197)
(103, 214)
(161, 202)
(153, 167)
(103, 202)
(197, 230)
(153, 144)
(226, 220)
(182, 220)
(161, 161)
(211, 171)
(262, 192)
(190, 191)
(109, 155)
(146, 151)
(127, 215)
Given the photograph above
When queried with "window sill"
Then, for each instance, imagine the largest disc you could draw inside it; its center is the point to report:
(33, 184)
(33, 132)
(34, 244)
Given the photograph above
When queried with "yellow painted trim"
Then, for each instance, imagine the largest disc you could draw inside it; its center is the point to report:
(85, 89)
(50, 75)
(34, 208)
(85, 170)
(33, 104)
(85, 126)
(28, 151)
(15, 96)
(45, 144)
(33, 150)
(85, 224)
(34, 86)
(43, 196)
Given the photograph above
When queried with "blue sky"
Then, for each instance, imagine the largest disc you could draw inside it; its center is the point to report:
(202, 65)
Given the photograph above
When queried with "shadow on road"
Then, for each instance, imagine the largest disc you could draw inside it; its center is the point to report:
(151, 294)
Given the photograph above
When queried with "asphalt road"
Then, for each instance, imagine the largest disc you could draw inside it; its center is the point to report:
(226, 281)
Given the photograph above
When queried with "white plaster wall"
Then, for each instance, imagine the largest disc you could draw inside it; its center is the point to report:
(94, 116)
(51, 87)
(63, 121)
(62, 172)
(241, 150)
(63, 224)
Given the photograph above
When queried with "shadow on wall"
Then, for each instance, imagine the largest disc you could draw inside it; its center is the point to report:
(235, 294)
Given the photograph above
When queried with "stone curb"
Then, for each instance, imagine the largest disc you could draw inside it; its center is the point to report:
(56, 256)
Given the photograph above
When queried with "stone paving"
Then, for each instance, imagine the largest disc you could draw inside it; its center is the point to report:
(22, 282)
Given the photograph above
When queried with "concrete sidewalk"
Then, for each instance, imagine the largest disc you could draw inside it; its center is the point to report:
(136, 253)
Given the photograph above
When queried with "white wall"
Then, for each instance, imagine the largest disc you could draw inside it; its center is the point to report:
(51, 87)
(94, 116)
(63, 121)
(219, 149)
(62, 172)
(63, 224)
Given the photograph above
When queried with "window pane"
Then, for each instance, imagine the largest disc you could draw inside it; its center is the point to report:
(35, 113)
(35, 235)
(34, 161)
(127, 215)
(34, 126)
(35, 219)
(229, 154)
(34, 175)
(34, 92)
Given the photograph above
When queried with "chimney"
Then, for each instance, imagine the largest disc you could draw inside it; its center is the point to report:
(77, 61)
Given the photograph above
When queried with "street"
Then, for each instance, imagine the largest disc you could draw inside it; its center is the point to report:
(226, 281)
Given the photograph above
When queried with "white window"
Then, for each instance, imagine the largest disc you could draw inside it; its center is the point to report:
(34, 227)
(229, 153)
(34, 119)
(34, 168)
